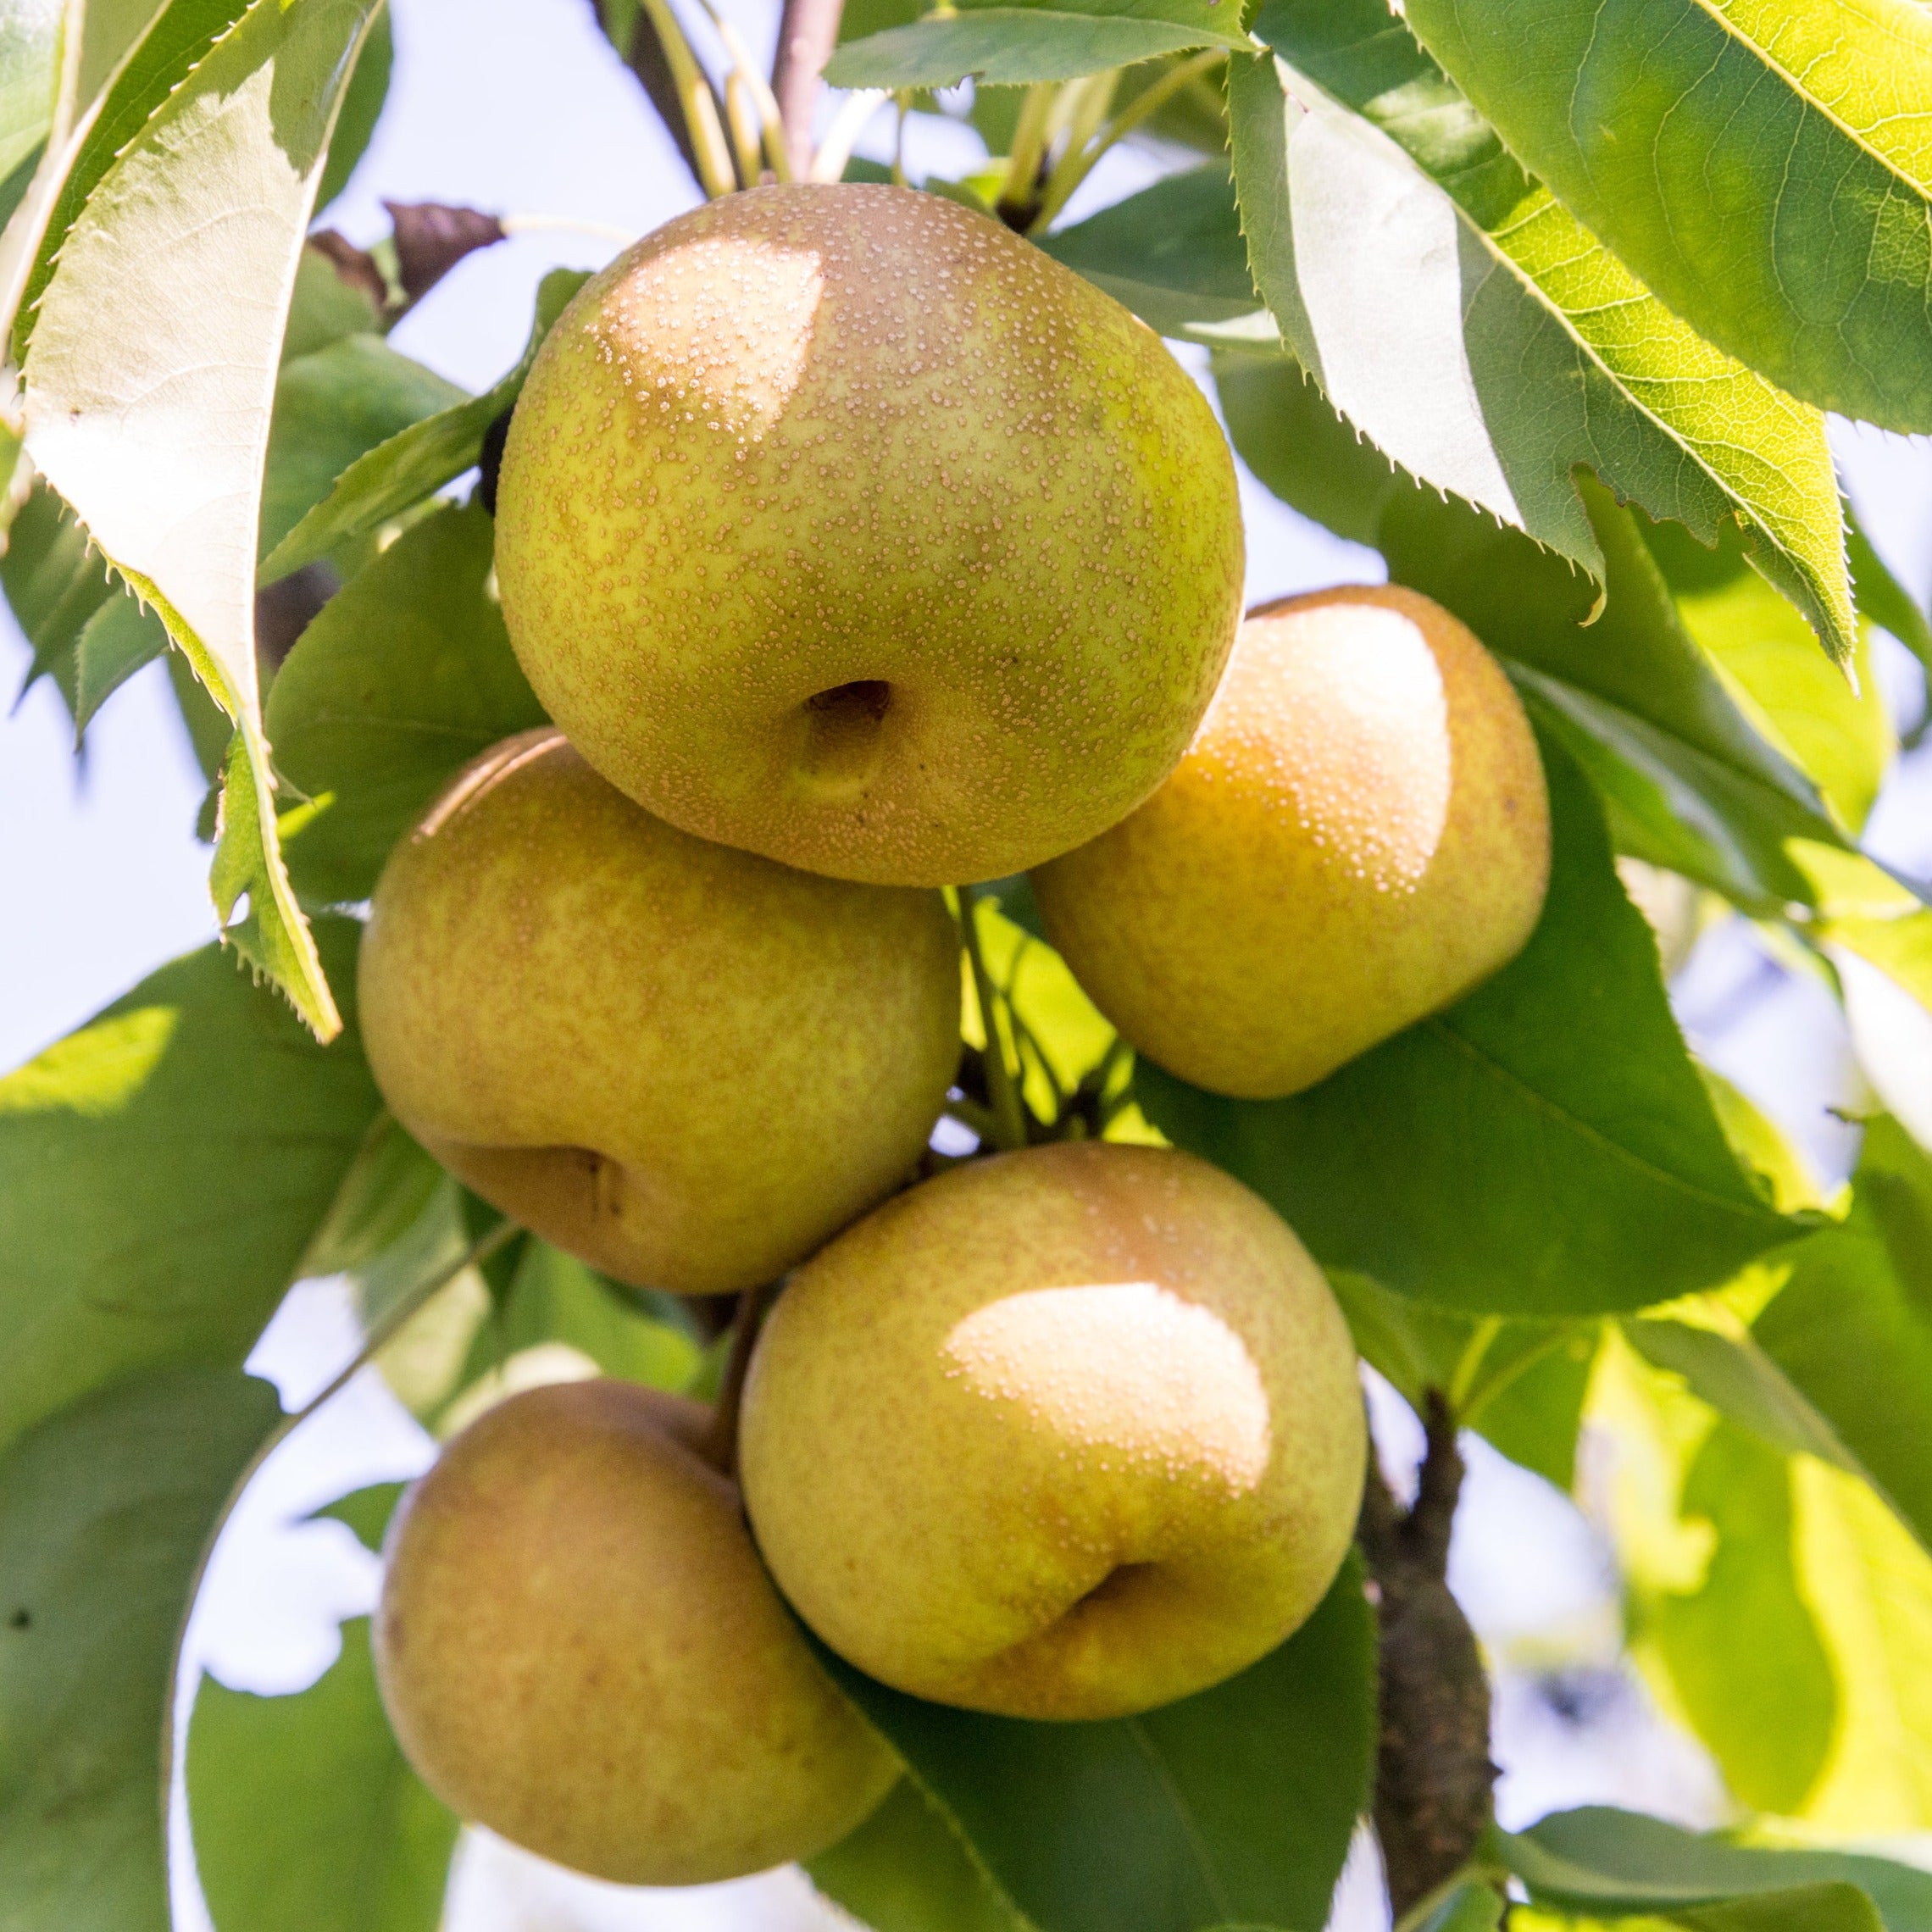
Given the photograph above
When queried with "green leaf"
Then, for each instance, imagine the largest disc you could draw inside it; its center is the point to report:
(398, 474)
(326, 306)
(148, 395)
(1535, 1418)
(553, 1297)
(1008, 45)
(332, 406)
(306, 1817)
(54, 583)
(1459, 316)
(385, 1192)
(1881, 597)
(1605, 1863)
(405, 675)
(365, 1512)
(1737, 1378)
(1231, 1807)
(1173, 253)
(1839, 736)
(1543, 1147)
(1469, 1907)
(175, 39)
(120, 639)
(361, 108)
(161, 1171)
(1756, 161)
(905, 1870)
(1518, 1384)
(1851, 1327)
(105, 1513)
(29, 77)
(1805, 1909)
(1744, 1655)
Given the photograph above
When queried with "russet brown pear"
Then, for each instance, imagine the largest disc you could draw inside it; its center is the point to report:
(577, 1647)
(685, 1065)
(1063, 1434)
(838, 523)
(1358, 835)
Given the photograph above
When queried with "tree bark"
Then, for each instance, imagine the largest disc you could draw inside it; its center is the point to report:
(1434, 1776)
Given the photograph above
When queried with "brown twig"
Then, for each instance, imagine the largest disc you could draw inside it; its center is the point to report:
(721, 1441)
(1433, 1772)
(808, 31)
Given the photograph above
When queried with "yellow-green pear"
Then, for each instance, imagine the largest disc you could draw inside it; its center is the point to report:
(1359, 833)
(1067, 1433)
(684, 1065)
(577, 1647)
(839, 524)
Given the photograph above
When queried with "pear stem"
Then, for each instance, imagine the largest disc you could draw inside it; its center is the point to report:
(720, 1448)
(695, 97)
(1002, 1092)
(1019, 193)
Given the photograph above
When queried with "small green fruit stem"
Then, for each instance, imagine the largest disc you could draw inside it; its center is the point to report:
(700, 105)
(720, 1447)
(1002, 1091)
(747, 140)
(1463, 1379)
(1080, 159)
(757, 129)
(1022, 184)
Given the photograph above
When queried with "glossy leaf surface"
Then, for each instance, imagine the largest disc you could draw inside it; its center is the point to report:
(1766, 165)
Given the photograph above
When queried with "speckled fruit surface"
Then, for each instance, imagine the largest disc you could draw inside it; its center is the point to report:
(838, 524)
(1359, 833)
(578, 1648)
(685, 1065)
(1069, 1433)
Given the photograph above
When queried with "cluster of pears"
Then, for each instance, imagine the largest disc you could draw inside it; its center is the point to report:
(858, 549)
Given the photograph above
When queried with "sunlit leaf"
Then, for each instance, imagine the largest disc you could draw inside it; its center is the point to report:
(1852, 1328)
(1869, 1586)
(1460, 316)
(1743, 1654)
(1764, 165)
(161, 1171)
(1605, 1863)
(148, 398)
